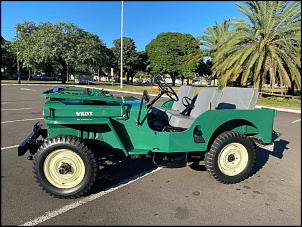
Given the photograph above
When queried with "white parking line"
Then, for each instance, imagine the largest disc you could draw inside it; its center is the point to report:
(4, 148)
(3, 122)
(27, 89)
(296, 121)
(17, 109)
(50, 214)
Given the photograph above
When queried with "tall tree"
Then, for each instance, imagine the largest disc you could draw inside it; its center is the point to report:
(65, 43)
(25, 44)
(130, 56)
(8, 56)
(168, 53)
(269, 44)
(214, 38)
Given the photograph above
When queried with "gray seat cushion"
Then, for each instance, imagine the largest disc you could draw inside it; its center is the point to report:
(159, 111)
(185, 95)
(207, 99)
(238, 98)
(180, 120)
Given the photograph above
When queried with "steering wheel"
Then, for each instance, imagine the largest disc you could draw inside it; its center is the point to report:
(164, 87)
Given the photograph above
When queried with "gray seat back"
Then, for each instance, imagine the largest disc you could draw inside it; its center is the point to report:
(238, 98)
(207, 99)
(185, 95)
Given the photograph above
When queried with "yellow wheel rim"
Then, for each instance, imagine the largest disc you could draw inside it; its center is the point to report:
(233, 159)
(63, 168)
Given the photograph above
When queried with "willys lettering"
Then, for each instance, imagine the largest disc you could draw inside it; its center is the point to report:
(84, 113)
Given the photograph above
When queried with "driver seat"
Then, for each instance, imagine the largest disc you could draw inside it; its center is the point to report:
(185, 95)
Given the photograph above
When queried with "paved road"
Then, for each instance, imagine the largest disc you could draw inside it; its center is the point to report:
(135, 192)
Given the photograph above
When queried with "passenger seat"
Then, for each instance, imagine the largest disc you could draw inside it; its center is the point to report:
(238, 98)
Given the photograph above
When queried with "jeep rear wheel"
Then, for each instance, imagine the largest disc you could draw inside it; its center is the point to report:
(65, 167)
(231, 157)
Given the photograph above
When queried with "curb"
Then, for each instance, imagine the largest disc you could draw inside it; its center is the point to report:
(279, 109)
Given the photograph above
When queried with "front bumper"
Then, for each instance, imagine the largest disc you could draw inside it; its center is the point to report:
(31, 143)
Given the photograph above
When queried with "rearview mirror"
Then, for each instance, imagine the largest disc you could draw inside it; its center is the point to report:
(146, 96)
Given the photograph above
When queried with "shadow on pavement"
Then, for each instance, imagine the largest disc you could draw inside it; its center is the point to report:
(115, 172)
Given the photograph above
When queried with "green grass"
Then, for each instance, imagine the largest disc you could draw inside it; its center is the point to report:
(273, 101)
(278, 91)
(265, 100)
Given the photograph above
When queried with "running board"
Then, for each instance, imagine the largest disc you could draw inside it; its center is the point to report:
(176, 161)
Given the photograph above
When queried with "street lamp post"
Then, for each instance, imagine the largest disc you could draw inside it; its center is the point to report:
(18, 64)
(122, 46)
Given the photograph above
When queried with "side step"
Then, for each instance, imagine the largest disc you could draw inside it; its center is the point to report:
(170, 160)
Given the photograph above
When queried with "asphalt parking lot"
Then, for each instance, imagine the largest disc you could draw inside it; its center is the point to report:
(136, 192)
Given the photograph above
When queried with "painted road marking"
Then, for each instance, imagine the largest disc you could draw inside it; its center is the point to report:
(17, 109)
(27, 89)
(3, 148)
(3, 122)
(50, 214)
(296, 121)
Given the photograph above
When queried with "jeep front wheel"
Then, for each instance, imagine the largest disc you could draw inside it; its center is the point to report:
(231, 157)
(65, 167)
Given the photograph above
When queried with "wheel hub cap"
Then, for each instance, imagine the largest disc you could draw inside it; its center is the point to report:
(63, 168)
(233, 159)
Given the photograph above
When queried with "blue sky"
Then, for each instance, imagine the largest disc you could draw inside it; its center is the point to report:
(143, 20)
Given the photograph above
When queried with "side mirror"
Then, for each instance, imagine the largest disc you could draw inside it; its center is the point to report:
(146, 96)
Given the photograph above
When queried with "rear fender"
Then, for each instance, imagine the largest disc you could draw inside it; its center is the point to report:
(257, 122)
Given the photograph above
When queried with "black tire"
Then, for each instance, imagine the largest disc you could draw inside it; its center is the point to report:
(65, 167)
(231, 157)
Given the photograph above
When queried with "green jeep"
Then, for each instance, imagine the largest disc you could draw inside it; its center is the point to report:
(85, 125)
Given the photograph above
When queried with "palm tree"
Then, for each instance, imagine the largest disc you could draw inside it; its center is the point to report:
(270, 45)
(214, 38)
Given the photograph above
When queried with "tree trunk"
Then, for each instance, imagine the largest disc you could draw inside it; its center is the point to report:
(291, 89)
(99, 75)
(67, 73)
(258, 84)
(173, 79)
(63, 73)
(281, 84)
(273, 81)
(127, 78)
(63, 68)
(29, 75)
